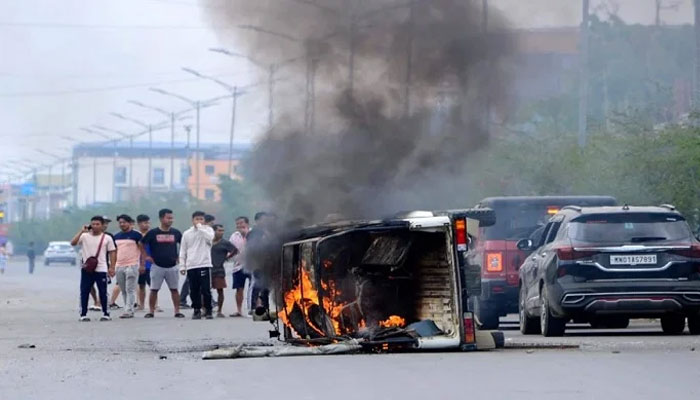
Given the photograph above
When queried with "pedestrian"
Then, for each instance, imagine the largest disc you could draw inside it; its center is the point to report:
(3, 258)
(208, 220)
(221, 250)
(128, 264)
(144, 225)
(96, 302)
(258, 241)
(240, 275)
(93, 244)
(31, 256)
(163, 242)
(195, 257)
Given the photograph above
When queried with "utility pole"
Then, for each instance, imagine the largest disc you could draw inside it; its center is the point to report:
(409, 62)
(270, 96)
(233, 130)
(583, 78)
(150, 158)
(172, 150)
(487, 69)
(197, 157)
(696, 91)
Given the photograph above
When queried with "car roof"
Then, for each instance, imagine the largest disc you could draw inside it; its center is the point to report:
(550, 200)
(618, 210)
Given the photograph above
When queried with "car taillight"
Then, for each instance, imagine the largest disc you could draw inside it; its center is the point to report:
(494, 261)
(469, 331)
(691, 252)
(461, 234)
(569, 253)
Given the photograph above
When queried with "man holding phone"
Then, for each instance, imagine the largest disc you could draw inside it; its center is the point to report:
(94, 244)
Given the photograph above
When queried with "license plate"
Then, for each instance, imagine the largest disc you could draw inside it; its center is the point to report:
(646, 259)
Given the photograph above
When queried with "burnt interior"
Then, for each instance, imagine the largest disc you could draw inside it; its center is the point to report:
(365, 277)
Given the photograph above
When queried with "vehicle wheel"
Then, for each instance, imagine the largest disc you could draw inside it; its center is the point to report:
(73, 263)
(47, 263)
(673, 324)
(528, 325)
(549, 324)
(486, 316)
(694, 325)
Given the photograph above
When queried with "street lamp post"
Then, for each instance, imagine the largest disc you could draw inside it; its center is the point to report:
(149, 128)
(114, 159)
(235, 93)
(197, 105)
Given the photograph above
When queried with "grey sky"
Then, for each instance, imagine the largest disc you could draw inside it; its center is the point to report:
(69, 63)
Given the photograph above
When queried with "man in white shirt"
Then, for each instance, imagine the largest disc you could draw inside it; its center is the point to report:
(94, 242)
(239, 274)
(195, 256)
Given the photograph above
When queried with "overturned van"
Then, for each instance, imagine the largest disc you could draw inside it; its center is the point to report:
(393, 284)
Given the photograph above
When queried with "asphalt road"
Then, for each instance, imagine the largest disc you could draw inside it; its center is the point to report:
(161, 358)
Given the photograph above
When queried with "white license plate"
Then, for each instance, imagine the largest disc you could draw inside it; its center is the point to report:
(646, 259)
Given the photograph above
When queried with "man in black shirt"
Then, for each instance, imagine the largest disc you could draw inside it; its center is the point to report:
(163, 244)
(221, 251)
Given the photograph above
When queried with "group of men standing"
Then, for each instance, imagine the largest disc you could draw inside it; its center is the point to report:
(158, 256)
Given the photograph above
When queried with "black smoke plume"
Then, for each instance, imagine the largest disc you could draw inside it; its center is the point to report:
(359, 144)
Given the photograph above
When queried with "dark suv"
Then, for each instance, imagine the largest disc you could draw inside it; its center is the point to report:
(606, 265)
(497, 254)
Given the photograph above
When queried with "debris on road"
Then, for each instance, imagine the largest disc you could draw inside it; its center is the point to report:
(26, 346)
(244, 351)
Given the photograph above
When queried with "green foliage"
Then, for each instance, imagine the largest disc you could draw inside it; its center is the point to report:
(237, 199)
(639, 167)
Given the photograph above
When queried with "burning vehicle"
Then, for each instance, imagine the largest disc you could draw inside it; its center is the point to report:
(395, 284)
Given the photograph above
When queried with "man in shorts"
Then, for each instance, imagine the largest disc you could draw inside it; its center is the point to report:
(221, 250)
(144, 225)
(163, 242)
(128, 262)
(238, 239)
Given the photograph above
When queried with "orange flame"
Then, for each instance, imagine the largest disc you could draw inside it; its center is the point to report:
(393, 321)
(304, 295)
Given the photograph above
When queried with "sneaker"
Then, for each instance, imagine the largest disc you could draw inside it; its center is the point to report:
(84, 318)
(126, 316)
(95, 308)
(220, 315)
(105, 318)
(179, 315)
(197, 315)
(149, 315)
(114, 306)
(235, 315)
(208, 316)
(158, 309)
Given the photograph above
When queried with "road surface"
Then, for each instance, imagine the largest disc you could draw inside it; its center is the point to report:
(161, 358)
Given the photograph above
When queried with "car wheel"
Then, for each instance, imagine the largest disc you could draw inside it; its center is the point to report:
(73, 263)
(528, 325)
(488, 319)
(694, 325)
(549, 324)
(673, 324)
(47, 263)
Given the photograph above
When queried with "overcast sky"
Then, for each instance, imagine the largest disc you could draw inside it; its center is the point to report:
(66, 64)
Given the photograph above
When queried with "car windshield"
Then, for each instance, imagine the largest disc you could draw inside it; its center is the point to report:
(630, 228)
(518, 222)
(60, 247)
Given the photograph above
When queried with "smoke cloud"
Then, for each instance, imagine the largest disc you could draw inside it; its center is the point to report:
(389, 101)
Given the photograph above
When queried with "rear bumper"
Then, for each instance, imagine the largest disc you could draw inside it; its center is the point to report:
(498, 296)
(60, 259)
(628, 298)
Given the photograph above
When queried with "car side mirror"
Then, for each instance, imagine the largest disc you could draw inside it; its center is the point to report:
(526, 245)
